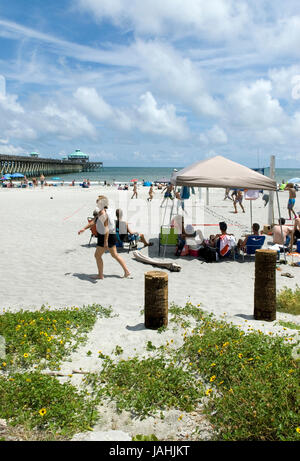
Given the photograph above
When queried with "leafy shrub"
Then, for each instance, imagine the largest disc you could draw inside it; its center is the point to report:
(39, 401)
(289, 301)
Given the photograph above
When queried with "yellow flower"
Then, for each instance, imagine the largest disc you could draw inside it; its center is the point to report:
(25, 355)
(298, 430)
(212, 379)
(28, 380)
(240, 356)
(42, 411)
(180, 418)
(209, 391)
(4, 364)
(213, 365)
(225, 344)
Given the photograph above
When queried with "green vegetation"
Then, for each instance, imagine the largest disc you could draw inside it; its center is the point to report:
(146, 386)
(34, 400)
(46, 337)
(35, 341)
(291, 325)
(289, 301)
(248, 382)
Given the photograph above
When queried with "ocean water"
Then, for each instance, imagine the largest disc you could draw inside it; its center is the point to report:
(125, 174)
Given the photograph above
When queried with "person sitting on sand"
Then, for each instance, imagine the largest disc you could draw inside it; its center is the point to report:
(184, 232)
(281, 233)
(123, 228)
(296, 230)
(238, 199)
(242, 244)
(107, 239)
(292, 199)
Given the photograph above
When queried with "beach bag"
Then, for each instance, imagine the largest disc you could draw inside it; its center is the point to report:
(208, 254)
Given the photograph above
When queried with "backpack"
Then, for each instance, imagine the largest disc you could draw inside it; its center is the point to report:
(209, 254)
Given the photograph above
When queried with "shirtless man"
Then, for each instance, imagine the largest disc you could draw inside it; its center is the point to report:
(238, 199)
(292, 199)
(286, 232)
(42, 179)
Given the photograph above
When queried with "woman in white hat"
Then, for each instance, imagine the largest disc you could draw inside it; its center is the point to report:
(107, 238)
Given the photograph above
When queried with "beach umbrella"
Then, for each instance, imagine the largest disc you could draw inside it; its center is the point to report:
(6, 177)
(17, 175)
(134, 180)
(293, 180)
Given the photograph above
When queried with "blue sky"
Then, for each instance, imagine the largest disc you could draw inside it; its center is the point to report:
(151, 83)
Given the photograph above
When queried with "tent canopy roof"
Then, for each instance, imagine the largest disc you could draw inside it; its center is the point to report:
(221, 172)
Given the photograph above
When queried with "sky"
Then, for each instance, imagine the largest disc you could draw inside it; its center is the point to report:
(151, 82)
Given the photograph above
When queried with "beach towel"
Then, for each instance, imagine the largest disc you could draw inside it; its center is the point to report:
(173, 267)
(224, 245)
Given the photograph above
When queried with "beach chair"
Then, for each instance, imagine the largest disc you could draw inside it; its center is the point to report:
(168, 236)
(124, 239)
(93, 230)
(254, 242)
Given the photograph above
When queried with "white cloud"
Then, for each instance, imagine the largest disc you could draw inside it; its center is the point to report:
(161, 121)
(65, 123)
(253, 106)
(215, 135)
(214, 19)
(176, 77)
(92, 103)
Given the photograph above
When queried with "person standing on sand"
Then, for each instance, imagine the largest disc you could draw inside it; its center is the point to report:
(238, 199)
(227, 190)
(42, 179)
(292, 199)
(134, 190)
(106, 239)
(150, 194)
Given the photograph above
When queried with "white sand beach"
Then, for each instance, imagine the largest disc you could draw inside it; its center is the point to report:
(45, 261)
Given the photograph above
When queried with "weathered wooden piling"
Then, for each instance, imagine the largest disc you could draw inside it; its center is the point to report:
(156, 299)
(265, 285)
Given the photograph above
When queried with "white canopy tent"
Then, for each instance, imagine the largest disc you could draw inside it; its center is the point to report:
(220, 172)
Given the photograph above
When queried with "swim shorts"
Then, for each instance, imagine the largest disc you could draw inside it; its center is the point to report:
(291, 202)
(112, 240)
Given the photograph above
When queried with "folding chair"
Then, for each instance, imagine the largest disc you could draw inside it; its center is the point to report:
(168, 236)
(123, 237)
(254, 242)
(93, 230)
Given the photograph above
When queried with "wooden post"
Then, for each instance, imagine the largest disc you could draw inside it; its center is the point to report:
(156, 299)
(265, 285)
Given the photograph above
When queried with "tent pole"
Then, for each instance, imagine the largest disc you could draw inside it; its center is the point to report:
(251, 214)
(281, 226)
(271, 195)
(171, 213)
